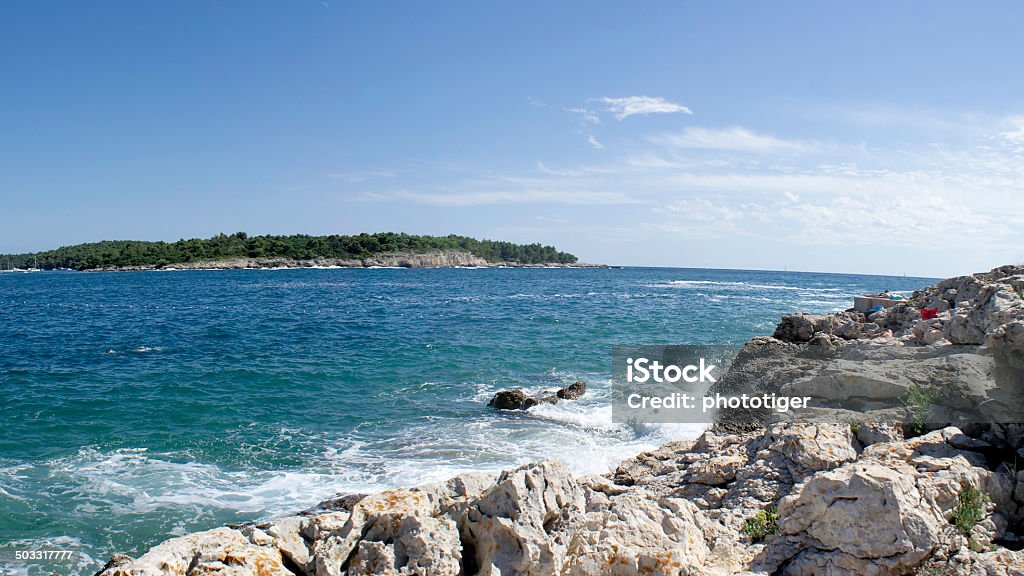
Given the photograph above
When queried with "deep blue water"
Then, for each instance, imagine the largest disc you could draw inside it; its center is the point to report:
(139, 405)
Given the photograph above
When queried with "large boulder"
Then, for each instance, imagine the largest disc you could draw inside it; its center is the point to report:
(523, 524)
(639, 532)
(396, 531)
(885, 513)
(862, 514)
(401, 531)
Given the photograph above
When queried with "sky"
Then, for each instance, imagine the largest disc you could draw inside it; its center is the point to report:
(868, 137)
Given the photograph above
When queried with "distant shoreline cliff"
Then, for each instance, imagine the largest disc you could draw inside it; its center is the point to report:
(240, 250)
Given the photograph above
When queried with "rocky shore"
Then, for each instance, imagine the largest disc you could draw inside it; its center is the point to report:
(437, 259)
(870, 490)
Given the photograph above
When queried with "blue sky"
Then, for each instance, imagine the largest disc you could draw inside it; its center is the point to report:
(846, 137)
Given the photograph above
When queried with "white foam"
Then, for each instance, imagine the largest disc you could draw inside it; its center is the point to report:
(596, 418)
(144, 349)
(133, 481)
(742, 285)
(139, 485)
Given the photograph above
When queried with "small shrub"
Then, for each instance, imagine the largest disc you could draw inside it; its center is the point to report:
(762, 524)
(970, 509)
(919, 399)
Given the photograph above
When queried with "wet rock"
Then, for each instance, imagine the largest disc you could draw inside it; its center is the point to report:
(641, 533)
(520, 400)
(796, 327)
(573, 391)
(512, 400)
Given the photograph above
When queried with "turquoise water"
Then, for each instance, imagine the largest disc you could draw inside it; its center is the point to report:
(141, 405)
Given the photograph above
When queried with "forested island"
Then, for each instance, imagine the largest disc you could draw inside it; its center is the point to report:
(239, 250)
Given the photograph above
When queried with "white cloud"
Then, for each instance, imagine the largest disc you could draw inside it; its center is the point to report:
(623, 108)
(1014, 135)
(535, 102)
(594, 142)
(556, 172)
(921, 221)
(587, 116)
(931, 194)
(735, 139)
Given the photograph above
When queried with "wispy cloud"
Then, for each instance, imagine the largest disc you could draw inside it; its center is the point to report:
(735, 139)
(1014, 133)
(628, 106)
(557, 172)
(586, 115)
(362, 176)
(932, 191)
(537, 102)
(552, 195)
(594, 142)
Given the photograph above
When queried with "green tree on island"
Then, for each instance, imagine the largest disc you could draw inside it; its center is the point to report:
(115, 253)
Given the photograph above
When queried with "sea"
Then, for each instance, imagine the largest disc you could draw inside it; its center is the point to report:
(138, 406)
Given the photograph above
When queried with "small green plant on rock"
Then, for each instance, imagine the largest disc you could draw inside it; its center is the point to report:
(919, 399)
(970, 509)
(760, 525)
(855, 425)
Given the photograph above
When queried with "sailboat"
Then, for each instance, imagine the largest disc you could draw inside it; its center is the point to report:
(11, 268)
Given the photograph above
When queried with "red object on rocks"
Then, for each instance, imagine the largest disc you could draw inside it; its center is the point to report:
(929, 313)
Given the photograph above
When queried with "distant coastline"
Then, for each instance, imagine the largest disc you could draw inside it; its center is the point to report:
(439, 259)
(239, 250)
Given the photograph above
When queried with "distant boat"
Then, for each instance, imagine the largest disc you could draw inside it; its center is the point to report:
(11, 268)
